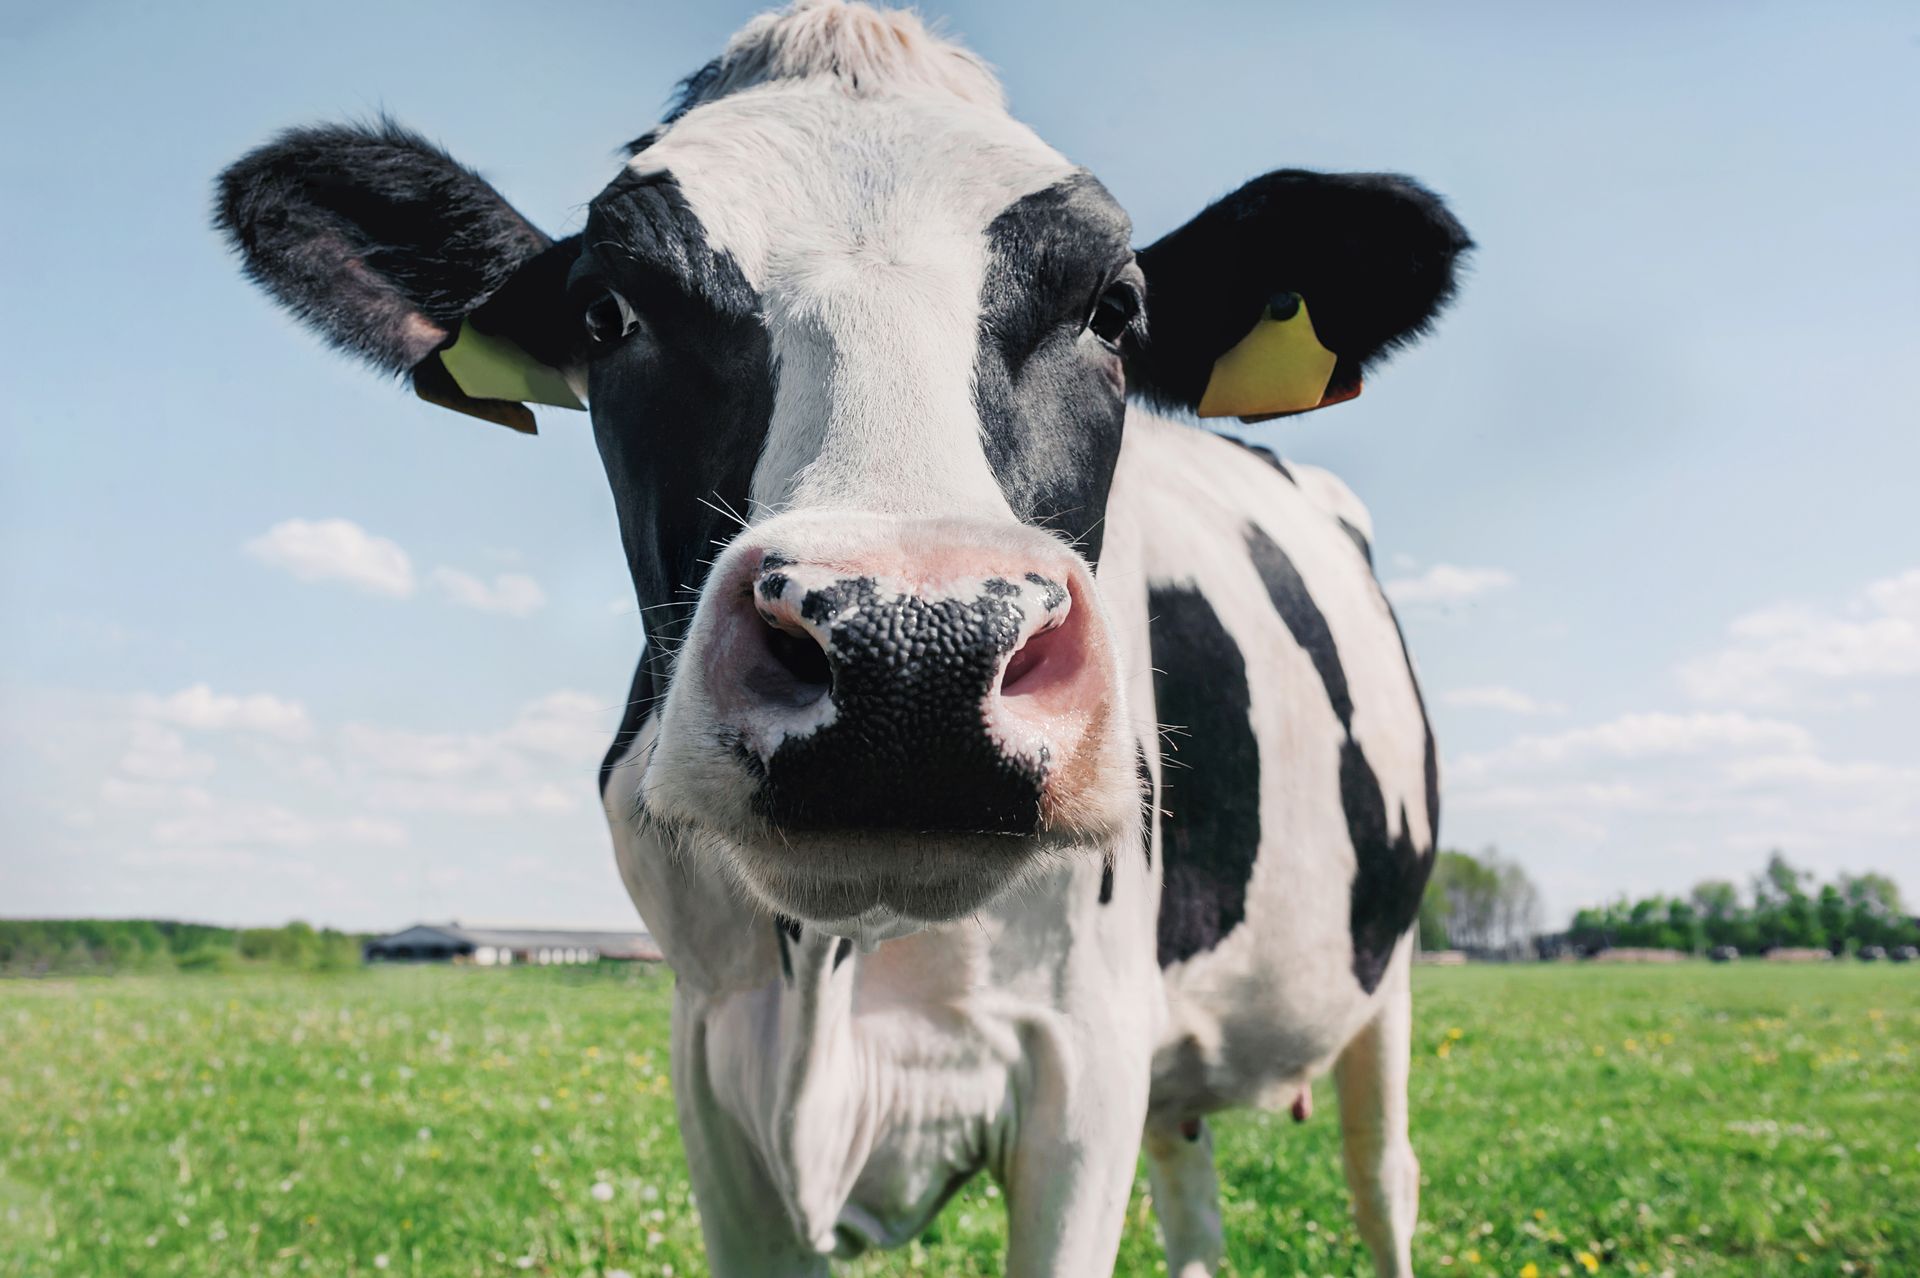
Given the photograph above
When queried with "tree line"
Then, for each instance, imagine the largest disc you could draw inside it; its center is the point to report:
(1784, 906)
(37, 947)
(1482, 904)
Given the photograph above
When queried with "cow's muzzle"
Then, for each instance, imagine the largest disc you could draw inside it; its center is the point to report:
(909, 719)
(868, 704)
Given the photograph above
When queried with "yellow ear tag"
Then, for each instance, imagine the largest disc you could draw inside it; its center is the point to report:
(1279, 367)
(488, 367)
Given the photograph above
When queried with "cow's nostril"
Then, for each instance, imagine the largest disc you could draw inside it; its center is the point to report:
(1042, 661)
(1024, 663)
(803, 663)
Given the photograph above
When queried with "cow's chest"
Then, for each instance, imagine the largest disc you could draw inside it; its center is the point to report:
(874, 1086)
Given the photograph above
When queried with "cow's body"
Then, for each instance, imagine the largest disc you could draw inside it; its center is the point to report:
(858, 1089)
(1010, 772)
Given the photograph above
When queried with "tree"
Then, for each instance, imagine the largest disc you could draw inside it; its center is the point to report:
(1478, 903)
(1716, 900)
(1789, 907)
(1830, 908)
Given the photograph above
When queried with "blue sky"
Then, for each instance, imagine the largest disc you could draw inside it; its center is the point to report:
(277, 640)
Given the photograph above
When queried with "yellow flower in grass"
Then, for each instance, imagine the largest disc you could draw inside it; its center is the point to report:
(1588, 1261)
(1529, 1270)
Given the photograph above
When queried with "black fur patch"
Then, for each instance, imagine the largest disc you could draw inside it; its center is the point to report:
(1432, 751)
(785, 931)
(372, 236)
(1391, 873)
(1149, 801)
(1266, 455)
(908, 747)
(1106, 882)
(1050, 412)
(1305, 621)
(640, 703)
(681, 408)
(1373, 254)
(1210, 773)
(1360, 543)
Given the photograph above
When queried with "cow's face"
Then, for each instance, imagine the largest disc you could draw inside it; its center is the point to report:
(856, 345)
(872, 349)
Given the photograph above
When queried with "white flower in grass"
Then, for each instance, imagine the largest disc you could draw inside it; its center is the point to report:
(380, 1261)
(602, 1192)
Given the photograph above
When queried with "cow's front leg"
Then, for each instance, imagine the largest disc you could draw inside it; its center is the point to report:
(748, 1234)
(1069, 1172)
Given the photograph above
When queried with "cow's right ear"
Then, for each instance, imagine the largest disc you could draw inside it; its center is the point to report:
(388, 248)
(1276, 299)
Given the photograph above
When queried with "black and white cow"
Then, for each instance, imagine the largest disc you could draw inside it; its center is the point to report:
(880, 787)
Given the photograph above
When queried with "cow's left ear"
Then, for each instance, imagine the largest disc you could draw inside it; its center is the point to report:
(1276, 299)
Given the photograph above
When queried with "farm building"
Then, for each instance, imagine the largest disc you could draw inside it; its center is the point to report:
(496, 946)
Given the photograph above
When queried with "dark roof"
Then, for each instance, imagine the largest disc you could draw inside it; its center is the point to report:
(638, 944)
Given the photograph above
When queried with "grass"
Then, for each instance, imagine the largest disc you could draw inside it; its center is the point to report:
(1747, 1120)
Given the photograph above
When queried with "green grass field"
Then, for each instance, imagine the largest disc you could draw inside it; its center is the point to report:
(1748, 1120)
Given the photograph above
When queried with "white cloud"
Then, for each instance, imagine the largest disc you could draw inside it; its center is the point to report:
(214, 817)
(1498, 697)
(1641, 736)
(341, 550)
(200, 707)
(1776, 654)
(1445, 584)
(155, 753)
(565, 724)
(336, 550)
(512, 593)
(189, 858)
(1813, 771)
(122, 793)
(1656, 801)
(379, 834)
(541, 762)
(405, 752)
(238, 825)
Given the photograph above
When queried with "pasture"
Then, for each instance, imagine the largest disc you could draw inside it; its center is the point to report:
(1748, 1120)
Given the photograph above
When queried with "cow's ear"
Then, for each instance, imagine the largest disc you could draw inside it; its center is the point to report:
(1276, 299)
(389, 249)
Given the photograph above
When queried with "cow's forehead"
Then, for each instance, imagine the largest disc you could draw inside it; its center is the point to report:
(797, 181)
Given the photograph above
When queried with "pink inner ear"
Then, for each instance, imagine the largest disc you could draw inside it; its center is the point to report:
(421, 333)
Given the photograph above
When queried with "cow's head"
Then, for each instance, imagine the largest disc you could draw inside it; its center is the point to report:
(857, 345)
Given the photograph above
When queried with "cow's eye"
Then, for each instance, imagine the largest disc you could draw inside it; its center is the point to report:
(1113, 313)
(608, 319)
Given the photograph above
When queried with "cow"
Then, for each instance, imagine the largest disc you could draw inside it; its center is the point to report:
(1016, 773)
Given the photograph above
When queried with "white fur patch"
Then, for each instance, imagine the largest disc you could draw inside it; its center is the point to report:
(862, 225)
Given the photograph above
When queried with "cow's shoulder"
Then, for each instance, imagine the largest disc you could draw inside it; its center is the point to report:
(1330, 493)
